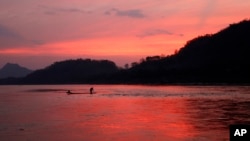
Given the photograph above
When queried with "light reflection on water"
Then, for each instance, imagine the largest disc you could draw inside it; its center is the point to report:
(121, 112)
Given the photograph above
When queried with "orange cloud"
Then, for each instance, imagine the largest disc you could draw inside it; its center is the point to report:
(110, 46)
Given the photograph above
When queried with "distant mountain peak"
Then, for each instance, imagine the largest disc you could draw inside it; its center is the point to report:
(7, 65)
(13, 70)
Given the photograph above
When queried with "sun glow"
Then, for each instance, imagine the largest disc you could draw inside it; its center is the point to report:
(103, 47)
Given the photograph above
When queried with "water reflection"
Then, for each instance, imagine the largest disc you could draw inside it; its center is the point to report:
(160, 113)
(215, 115)
(142, 119)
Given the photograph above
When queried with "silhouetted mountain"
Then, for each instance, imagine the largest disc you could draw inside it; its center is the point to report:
(72, 71)
(13, 70)
(217, 58)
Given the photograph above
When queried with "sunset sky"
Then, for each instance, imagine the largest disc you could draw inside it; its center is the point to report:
(35, 33)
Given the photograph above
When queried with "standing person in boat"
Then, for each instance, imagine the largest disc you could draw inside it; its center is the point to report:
(91, 90)
(69, 92)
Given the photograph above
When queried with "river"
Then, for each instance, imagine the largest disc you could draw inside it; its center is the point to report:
(121, 112)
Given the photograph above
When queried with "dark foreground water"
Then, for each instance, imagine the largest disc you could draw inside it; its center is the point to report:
(121, 112)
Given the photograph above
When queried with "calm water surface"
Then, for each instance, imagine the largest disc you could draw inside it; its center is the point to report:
(121, 112)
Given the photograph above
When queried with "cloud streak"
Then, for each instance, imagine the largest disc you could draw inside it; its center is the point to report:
(208, 9)
(133, 13)
(7, 33)
(56, 10)
(10, 38)
(155, 32)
